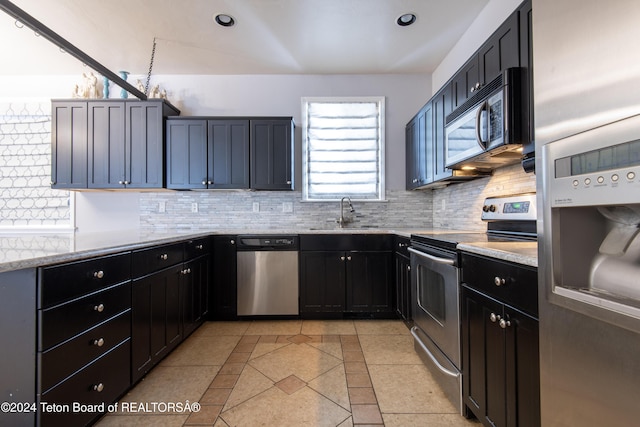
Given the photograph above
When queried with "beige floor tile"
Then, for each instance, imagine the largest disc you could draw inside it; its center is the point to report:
(220, 423)
(366, 414)
(358, 380)
(431, 420)
(359, 396)
(328, 327)
(261, 349)
(355, 367)
(205, 416)
(202, 350)
(250, 384)
(291, 384)
(389, 349)
(212, 329)
(332, 348)
(166, 384)
(381, 327)
(347, 423)
(408, 389)
(275, 327)
(303, 361)
(224, 381)
(215, 396)
(276, 408)
(142, 421)
(333, 385)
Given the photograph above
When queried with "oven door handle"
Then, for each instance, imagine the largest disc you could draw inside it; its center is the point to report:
(432, 357)
(446, 261)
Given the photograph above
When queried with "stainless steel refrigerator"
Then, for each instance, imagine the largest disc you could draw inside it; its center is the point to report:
(587, 132)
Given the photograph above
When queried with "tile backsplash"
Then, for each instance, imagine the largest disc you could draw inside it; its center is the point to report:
(454, 207)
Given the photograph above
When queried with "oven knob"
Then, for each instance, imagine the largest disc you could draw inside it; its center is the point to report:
(485, 208)
(499, 281)
(492, 208)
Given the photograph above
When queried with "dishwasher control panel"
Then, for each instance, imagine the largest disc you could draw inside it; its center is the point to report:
(267, 242)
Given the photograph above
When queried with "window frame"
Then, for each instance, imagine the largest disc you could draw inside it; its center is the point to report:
(380, 100)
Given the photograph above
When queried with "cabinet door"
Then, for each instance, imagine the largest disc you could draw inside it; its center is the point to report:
(186, 154)
(523, 369)
(144, 145)
(442, 105)
(412, 160)
(369, 282)
(322, 281)
(419, 144)
(69, 144)
(223, 296)
(106, 142)
(271, 154)
(195, 295)
(403, 286)
(228, 161)
(526, 62)
(466, 81)
(484, 360)
(500, 51)
(155, 319)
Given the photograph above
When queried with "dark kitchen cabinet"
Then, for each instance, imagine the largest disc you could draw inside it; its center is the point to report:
(499, 52)
(419, 146)
(346, 275)
(526, 62)
(223, 295)
(501, 384)
(156, 313)
(68, 144)
(442, 104)
(207, 154)
(403, 279)
(83, 340)
(195, 284)
(271, 151)
(108, 144)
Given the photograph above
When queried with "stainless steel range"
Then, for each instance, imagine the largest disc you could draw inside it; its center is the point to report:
(435, 281)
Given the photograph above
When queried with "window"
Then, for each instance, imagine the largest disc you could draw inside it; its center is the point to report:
(343, 148)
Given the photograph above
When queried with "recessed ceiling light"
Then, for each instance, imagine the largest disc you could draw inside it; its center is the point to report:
(406, 19)
(225, 20)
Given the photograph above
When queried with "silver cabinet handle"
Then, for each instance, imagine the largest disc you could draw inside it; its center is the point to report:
(99, 308)
(494, 317)
(288, 182)
(164, 257)
(342, 258)
(98, 387)
(186, 271)
(121, 182)
(99, 342)
(204, 182)
(349, 258)
(408, 268)
(233, 242)
(98, 274)
(499, 281)
(199, 247)
(504, 324)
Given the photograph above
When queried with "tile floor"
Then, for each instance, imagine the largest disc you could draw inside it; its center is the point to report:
(291, 373)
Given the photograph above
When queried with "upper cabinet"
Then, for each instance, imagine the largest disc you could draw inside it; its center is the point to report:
(230, 153)
(108, 144)
(499, 52)
(419, 142)
(272, 154)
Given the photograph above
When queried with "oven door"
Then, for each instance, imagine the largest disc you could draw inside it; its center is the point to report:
(435, 281)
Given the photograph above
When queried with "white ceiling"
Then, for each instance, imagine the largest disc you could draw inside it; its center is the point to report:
(270, 36)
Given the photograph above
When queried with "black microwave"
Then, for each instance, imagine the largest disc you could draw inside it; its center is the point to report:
(488, 130)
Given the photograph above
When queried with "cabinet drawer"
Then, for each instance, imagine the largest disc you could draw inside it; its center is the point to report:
(103, 381)
(195, 248)
(60, 323)
(513, 284)
(64, 282)
(63, 360)
(147, 261)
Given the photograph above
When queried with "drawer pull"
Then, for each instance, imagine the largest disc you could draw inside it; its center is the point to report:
(499, 281)
(199, 247)
(494, 317)
(98, 274)
(99, 308)
(99, 342)
(164, 257)
(98, 387)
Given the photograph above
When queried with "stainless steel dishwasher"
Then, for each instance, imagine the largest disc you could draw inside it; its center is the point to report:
(267, 275)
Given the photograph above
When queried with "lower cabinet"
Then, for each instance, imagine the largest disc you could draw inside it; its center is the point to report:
(346, 281)
(501, 375)
(223, 294)
(195, 293)
(155, 316)
(403, 279)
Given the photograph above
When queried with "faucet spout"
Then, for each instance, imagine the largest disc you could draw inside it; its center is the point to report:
(342, 221)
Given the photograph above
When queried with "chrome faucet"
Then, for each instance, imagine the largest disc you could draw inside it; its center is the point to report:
(342, 221)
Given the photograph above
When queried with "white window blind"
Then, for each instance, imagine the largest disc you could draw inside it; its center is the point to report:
(343, 148)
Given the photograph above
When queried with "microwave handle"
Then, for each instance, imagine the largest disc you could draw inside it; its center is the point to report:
(481, 143)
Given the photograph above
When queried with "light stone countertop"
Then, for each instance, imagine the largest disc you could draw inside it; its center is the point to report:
(519, 252)
(18, 251)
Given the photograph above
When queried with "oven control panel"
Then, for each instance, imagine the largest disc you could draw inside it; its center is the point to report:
(520, 207)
